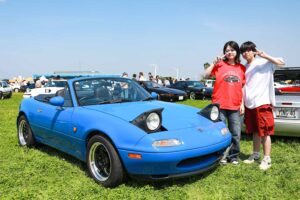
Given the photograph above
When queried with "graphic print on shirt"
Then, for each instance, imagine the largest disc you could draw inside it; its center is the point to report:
(231, 77)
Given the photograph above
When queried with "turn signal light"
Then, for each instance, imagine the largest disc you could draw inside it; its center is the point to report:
(134, 156)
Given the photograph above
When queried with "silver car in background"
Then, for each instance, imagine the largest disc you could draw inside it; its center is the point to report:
(287, 109)
(287, 116)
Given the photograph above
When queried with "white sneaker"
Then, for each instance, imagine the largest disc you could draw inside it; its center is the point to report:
(223, 161)
(251, 159)
(235, 162)
(265, 164)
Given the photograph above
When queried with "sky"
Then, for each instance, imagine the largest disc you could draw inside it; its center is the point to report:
(114, 36)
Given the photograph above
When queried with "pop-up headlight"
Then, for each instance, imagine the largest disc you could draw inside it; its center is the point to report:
(211, 112)
(149, 121)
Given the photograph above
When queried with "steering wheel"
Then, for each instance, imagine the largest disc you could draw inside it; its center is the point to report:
(88, 100)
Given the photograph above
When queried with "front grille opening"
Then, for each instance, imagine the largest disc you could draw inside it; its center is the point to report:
(162, 176)
(196, 160)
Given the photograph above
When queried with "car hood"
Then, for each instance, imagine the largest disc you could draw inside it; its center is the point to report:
(174, 116)
(198, 88)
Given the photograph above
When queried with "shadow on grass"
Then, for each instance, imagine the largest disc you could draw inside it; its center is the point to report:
(61, 155)
(130, 181)
(275, 139)
(162, 184)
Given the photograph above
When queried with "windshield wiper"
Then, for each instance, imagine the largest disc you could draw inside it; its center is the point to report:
(113, 101)
(148, 99)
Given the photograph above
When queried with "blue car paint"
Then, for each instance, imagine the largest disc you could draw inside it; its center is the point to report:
(199, 135)
(167, 163)
(182, 116)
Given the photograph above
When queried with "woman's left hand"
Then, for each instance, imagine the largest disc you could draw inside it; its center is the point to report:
(242, 109)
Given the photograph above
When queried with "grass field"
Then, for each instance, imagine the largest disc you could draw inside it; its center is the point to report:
(44, 173)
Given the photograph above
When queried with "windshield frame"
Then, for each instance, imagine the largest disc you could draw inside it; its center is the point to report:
(108, 84)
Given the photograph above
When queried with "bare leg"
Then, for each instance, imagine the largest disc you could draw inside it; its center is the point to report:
(266, 140)
(256, 142)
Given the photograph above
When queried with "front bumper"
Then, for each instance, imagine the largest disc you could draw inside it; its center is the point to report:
(7, 94)
(174, 164)
(173, 97)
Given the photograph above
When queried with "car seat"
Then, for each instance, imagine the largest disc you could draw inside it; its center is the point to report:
(102, 92)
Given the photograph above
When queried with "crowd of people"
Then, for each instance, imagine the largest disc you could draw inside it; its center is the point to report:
(246, 89)
(165, 81)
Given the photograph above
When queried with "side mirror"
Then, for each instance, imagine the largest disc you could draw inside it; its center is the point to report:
(57, 101)
(154, 95)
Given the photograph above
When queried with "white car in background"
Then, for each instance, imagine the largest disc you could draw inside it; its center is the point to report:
(5, 90)
(49, 88)
(15, 87)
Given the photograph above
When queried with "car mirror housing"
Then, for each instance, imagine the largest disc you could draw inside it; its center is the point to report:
(154, 95)
(57, 101)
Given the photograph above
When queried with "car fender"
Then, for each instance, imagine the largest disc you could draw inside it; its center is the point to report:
(123, 134)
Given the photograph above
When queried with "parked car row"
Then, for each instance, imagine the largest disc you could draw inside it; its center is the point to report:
(179, 91)
(164, 93)
(194, 89)
(50, 87)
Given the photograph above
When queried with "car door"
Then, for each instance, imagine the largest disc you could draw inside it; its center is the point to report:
(54, 124)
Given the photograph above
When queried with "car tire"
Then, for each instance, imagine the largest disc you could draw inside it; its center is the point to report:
(1, 95)
(103, 162)
(25, 135)
(203, 97)
(192, 96)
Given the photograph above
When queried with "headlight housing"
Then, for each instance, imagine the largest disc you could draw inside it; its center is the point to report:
(211, 112)
(149, 121)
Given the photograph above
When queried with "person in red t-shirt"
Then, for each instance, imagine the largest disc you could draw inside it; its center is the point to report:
(228, 92)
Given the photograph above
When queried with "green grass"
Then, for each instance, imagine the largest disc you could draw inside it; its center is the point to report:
(44, 173)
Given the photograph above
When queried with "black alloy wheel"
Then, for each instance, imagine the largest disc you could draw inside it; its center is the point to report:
(25, 136)
(103, 162)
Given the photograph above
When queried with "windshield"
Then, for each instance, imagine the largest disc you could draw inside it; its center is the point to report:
(152, 85)
(109, 90)
(3, 84)
(56, 84)
(194, 84)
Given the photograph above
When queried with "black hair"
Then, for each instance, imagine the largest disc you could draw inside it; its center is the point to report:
(235, 46)
(248, 46)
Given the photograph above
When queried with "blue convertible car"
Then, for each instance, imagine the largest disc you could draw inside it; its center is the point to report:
(118, 128)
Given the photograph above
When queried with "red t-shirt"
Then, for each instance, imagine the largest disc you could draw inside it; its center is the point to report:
(230, 80)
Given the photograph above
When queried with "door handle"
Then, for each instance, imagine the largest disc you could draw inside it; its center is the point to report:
(39, 110)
